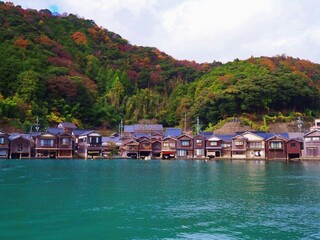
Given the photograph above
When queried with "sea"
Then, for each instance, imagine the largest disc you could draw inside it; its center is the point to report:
(158, 199)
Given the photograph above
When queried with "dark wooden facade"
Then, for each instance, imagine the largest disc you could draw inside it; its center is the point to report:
(4, 145)
(46, 146)
(20, 146)
(65, 145)
(185, 146)
(276, 148)
(199, 146)
(169, 147)
(294, 147)
(213, 147)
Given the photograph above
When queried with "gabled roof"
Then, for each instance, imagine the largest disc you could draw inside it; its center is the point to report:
(69, 125)
(185, 135)
(225, 137)
(55, 131)
(214, 138)
(173, 132)
(78, 132)
(317, 131)
(277, 137)
(16, 136)
(141, 135)
(148, 127)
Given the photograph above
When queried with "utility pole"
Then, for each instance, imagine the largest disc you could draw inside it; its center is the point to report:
(185, 122)
(198, 125)
(121, 125)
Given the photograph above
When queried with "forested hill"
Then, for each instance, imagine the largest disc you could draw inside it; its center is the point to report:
(64, 68)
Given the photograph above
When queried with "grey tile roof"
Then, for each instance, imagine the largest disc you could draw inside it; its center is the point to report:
(173, 132)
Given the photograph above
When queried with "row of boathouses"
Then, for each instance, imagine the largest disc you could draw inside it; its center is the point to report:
(150, 141)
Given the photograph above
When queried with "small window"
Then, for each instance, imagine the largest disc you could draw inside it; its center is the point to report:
(293, 144)
(213, 143)
(1, 140)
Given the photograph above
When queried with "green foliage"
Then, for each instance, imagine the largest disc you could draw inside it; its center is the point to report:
(66, 68)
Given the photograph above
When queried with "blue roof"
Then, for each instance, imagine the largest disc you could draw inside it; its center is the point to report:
(55, 131)
(128, 128)
(139, 135)
(225, 137)
(173, 132)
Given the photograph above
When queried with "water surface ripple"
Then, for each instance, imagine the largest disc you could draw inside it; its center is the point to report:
(132, 199)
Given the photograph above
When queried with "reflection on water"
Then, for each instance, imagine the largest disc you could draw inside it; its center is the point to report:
(131, 199)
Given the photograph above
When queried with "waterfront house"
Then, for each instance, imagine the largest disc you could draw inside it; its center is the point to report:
(311, 144)
(65, 146)
(21, 146)
(255, 145)
(239, 147)
(4, 145)
(156, 149)
(276, 148)
(145, 147)
(184, 146)
(226, 144)
(169, 147)
(46, 145)
(90, 145)
(199, 146)
(213, 147)
(130, 148)
(294, 147)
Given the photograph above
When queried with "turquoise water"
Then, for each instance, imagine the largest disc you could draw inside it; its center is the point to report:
(132, 199)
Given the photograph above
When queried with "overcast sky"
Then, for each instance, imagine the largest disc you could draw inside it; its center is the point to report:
(205, 30)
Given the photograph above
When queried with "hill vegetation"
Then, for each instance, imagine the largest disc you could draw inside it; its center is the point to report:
(65, 68)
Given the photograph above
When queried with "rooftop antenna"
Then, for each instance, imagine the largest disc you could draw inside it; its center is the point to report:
(37, 125)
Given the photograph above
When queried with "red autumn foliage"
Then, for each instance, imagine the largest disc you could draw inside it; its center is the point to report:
(63, 86)
(21, 42)
(79, 38)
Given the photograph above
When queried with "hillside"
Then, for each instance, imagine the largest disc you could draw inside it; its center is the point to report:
(65, 68)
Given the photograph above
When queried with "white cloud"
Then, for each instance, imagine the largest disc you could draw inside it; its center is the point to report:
(206, 30)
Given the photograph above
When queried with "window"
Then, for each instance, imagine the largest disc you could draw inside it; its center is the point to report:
(225, 145)
(181, 153)
(316, 138)
(199, 152)
(172, 145)
(308, 139)
(166, 144)
(199, 142)
(46, 142)
(20, 147)
(185, 143)
(213, 143)
(238, 143)
(275, 145)
(255, 145)
(1, 140)
(293, 144)
(312, 151)
(65, 141)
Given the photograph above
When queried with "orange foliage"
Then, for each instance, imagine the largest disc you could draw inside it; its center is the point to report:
(268, 63)
(93, 32)
(20, 42)
(225, 78)
(45, 40)
(79, 38)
